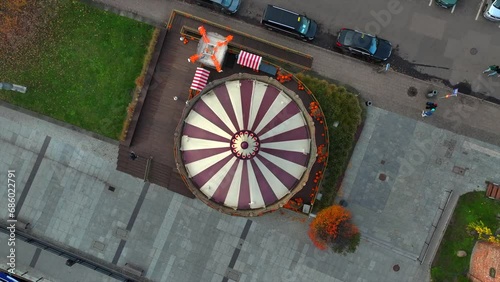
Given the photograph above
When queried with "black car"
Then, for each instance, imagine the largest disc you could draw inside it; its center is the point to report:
(362, 44)
(289, 22)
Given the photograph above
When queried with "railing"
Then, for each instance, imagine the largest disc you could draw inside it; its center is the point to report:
(327, 137)
(71, 256)
(148, 80)
(193, 33)
(424, 251)
(148, 169)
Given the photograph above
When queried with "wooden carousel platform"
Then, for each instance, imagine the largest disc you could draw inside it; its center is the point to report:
(162, 100)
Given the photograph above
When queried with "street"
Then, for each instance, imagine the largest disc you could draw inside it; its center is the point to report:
(431, 43)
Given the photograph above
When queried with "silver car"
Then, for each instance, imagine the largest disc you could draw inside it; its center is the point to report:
(492, 13)
(226, 6)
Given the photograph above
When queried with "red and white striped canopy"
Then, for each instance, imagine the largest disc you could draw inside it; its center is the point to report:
(200, 79)
(249, 60)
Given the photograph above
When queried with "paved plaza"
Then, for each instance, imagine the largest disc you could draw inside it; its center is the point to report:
(73, 197)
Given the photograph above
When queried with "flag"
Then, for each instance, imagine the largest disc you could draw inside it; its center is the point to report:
(454, 93)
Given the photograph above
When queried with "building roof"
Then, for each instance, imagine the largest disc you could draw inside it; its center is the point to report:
(485, 260)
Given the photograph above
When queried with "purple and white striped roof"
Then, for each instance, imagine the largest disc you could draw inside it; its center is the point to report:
(246, 144)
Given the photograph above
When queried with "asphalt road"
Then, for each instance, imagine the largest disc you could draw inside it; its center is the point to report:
(431, 43)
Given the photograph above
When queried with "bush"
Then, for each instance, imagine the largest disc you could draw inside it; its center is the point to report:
(338, 105)
(332, 228)
(139, 83)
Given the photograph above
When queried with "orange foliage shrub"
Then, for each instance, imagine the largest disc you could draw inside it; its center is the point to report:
(332, 228)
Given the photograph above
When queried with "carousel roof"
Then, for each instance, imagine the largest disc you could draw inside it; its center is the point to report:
(246, 144)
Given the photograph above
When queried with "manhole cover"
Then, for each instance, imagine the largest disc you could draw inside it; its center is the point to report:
(233, 275)
(121, 233)
(473, 51)
(459, 170)
(98, 246)
(412, 91)
(396, 267)
(382, 177)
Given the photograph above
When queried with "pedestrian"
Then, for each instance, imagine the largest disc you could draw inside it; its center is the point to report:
(493, 69)
(430, 105)
(428, 113)
(497, 69)
(132, 156)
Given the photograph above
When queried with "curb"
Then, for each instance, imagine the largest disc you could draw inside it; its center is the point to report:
(59, 123)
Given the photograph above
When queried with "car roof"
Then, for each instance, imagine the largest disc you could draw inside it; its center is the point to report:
(357, 31)
(355, 38)
(282, 16)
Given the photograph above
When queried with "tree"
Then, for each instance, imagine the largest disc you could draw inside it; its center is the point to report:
(332, 228)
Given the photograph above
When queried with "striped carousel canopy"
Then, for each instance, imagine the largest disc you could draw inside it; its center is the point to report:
(245, 144)
(200, 79)
(249, 60)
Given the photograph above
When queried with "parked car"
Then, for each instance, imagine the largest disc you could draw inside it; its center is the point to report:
(4, 277)
(362, 44)
(492, 12)
(446, 3)
(291, 23)
(226, 6)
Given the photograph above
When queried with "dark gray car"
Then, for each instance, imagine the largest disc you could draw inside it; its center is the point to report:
(362, 44)
(289, 22)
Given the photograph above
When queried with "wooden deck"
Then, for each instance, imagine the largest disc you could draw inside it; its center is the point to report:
(154, 122)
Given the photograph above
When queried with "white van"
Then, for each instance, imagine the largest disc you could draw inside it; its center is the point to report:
(492, 12)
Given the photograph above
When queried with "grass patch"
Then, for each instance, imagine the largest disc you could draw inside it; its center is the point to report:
(471, 207)
(338, 104)
(81, 67)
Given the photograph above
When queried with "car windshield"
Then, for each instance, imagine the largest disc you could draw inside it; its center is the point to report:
(373, 45)
(226, 3)
(361, 40)
(304, 24)
(496, 4)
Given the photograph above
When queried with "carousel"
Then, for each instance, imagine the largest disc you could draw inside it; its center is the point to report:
(245, 144)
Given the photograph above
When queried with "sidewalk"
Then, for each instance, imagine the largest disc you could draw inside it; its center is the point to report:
(464, 115)
(79, 201)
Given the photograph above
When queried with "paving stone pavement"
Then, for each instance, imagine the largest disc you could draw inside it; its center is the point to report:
(419, 164)
(178, 239)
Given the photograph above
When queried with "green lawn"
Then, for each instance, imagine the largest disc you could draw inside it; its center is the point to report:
(84, 69)
(471, 207)
(338, 104)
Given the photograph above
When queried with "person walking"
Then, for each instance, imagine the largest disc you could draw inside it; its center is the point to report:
(430, 105)
(428, 113)
(133, 156)
(492, 70)
(495, 71)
